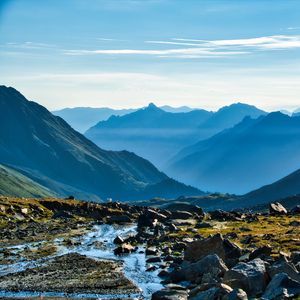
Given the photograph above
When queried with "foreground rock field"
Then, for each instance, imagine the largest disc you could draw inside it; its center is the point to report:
(44, 251)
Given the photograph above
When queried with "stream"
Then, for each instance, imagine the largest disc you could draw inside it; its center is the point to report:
(134, 264)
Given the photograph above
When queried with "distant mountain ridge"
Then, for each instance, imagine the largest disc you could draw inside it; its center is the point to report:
(158, 135)
(245, 157)
(46, 149)
(82, 118)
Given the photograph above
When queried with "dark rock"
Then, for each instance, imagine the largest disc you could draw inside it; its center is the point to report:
(284, 267)
(295, 257)
(216, 244)
(221, 215)
(211, 264)
(236, 294)
(251, 277)
(261, 252)
(124, 249)
(151, 251)
(210, 292)
(153, 259)
(122, 219)
(170, 294)
(295, 210)
(62, 215)
(281, 287)
(277, 209)
(181, 215)
(118, 240)
(149, 218)
(203, 225)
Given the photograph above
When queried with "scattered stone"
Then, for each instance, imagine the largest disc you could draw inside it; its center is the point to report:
(124, 249)
(251, 277)
(170, 294)
(281, 287)
(277, 209)
(118, 240)
(236, 294)
(216, 244)
(260, 252)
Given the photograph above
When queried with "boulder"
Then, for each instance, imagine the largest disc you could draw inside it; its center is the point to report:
(170, 294)
(284, 266)
(261, 252)
(216, 244)
(118, 240)
(295, 210)
(124, 249)
(295, 257)
(221, 215)
(149, 218)
(121, 219)
(236, 294)
(281, 287)
(251, 277)
(277, 209)
(210, 292)
(181, 215)
(211, 264)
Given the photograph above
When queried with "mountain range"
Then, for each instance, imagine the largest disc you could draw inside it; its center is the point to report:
(158, 135)
(245, 157)
(44, 148)
(82, 118)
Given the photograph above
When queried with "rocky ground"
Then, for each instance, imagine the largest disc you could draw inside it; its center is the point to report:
(216, 255)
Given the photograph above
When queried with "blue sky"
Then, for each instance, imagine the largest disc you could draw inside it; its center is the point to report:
(126, 53)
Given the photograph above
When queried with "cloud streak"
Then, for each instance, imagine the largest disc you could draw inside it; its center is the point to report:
(197, 48)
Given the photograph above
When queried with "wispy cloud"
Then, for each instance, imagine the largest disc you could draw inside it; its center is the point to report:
(197, 48)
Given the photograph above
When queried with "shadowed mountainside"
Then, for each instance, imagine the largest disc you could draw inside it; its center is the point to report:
(45, 148)
(253, 153)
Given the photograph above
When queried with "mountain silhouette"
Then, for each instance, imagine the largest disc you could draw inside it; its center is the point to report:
(158, 135)
(245, 157)
(46, 149)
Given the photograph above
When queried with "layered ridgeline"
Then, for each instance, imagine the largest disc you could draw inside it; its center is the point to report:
(253, 153)
(46, 149)
(157, 135)
(82, 118)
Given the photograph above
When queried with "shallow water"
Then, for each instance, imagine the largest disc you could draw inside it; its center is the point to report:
(134, 264)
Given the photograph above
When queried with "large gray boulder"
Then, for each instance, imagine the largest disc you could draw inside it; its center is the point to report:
(216, 244)
(251, 277)
(208, 292)
(284, 267)
(281, 286)
(209, 265)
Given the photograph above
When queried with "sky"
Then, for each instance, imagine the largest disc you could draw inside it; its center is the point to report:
(127, 53)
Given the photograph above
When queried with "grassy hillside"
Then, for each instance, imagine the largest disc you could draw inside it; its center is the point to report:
(13, 183)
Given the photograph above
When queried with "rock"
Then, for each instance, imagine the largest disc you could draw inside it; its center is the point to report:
(260, 252)
(170, 294)
(173, 227)
(203, 225)
(236, 294)
(194, 209)
(62, 215)
(124, 249)
(281, 286)
(251, 277)
(153, 259)
(149, 218)
(221, 215)
(284, 267)
(295, 257)
(295, 210)
(122, 219)
(151, 251)
(209, 292)
(25, 211)
(211, 264)
(181, 215)
(216, 244)
(118, 240)
(277, 209)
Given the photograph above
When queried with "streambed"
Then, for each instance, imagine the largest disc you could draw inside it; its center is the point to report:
(97, 244)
